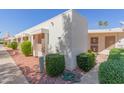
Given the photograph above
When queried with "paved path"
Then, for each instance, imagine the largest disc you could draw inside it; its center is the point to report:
(9, 72)
(92, 76)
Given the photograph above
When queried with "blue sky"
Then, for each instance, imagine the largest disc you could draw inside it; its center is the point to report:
(15, 21)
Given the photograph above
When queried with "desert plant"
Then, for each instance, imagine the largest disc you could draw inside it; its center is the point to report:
(26, 48)
(55, 64)
(111, 72)
(86, 61)
(13, 45)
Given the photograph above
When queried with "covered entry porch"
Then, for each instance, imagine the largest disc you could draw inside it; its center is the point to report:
(40, 39)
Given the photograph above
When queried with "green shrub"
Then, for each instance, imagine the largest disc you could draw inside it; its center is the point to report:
(1, 42)
(26, 48)
(9, 45)
(86, 61)
(90, 51)
(116, 54)
(111, 72)
(55, 64)
(14, 45)
(5, 43)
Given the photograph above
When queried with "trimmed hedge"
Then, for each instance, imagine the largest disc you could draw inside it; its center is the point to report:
(13, 45)
(116, 54)
(26, 48)
(1, 42)
(111, 72)
(55, 64)
(9, 45)
(86, 61)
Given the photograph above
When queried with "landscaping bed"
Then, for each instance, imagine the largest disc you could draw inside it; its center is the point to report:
(112, 70)
(62, 79)
(30, 68)
(29, 65)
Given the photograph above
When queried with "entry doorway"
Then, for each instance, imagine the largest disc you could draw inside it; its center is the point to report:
(109, 42)
(40, 44)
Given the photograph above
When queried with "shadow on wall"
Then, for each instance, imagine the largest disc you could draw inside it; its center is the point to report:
(65, 40)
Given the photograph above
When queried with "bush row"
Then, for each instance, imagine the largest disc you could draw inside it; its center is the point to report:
(55, 63)
(12, 45)
(25, 47)
(112, 71)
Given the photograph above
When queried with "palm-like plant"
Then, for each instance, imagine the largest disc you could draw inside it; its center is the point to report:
(103, 23)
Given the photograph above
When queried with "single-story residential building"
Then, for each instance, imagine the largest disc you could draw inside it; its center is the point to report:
(100, 40)
(68, 33)
(65, 33)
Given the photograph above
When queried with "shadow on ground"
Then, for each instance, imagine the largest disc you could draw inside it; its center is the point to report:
(10, 74)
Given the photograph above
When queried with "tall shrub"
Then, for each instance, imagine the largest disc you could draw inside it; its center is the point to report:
(26, 48)
(14, 45)
(55, 64)
(86, 61)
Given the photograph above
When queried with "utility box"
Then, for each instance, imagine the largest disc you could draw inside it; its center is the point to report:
(42, 63)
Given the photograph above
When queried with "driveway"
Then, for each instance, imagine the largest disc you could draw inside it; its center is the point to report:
(9, 72)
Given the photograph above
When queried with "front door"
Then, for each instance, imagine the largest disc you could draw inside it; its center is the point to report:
(38, 45)
(109, 42)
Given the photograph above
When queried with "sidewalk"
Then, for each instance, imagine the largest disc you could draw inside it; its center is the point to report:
(9, 72)
(91, 77)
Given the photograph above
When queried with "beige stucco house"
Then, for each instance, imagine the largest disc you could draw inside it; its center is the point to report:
(105, 39)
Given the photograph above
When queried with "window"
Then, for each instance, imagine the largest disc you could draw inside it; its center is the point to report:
(94, 44)
(94, 40)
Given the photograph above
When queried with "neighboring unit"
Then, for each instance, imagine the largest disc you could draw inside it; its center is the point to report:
(106, 39)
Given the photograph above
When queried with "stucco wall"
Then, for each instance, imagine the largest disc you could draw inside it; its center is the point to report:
(68, 34)
(101, 37)
(120, 40)
(79, 36)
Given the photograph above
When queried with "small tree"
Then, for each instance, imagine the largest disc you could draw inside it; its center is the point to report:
(103, 23)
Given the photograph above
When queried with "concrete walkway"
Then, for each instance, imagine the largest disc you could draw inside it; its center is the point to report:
(92, 76)
(9, 72)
